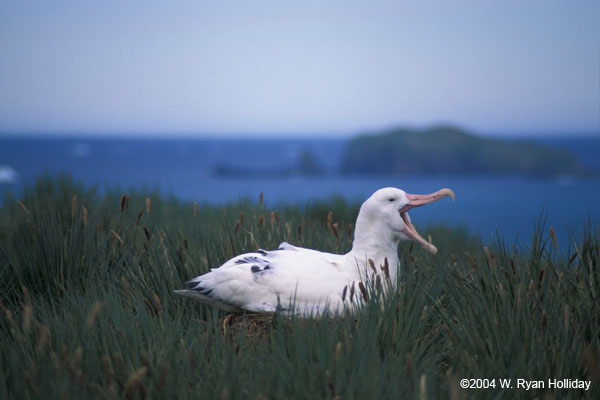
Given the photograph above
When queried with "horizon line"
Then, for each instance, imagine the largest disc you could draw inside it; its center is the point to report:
(283, 134)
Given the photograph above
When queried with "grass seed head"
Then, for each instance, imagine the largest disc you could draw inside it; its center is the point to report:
(471, 260)
(43, 334)
(105, 363)
(553, 236)
(225, 392)
(93, 315)
(77, 356)
(27, 311)
(422, 388)
(148, 204)
(157, 304)
(372, 265)
(544, 320)
(531, 288)
(8, 315)
(135, 385)
(334, 229)
(126, 287)
(74, 204)
(260, 200)
(84, 215)
(423, 313)
(386, 268)
(195, 209)
(338, 351)
(543, 273)
(363, 290)
(491, 260)
(329, 220)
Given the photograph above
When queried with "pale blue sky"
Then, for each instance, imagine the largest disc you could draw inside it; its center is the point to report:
(305, 67)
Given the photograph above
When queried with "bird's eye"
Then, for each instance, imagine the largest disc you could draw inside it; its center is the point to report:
(391, 199)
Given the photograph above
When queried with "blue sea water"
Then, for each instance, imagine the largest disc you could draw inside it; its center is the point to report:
(186, 168)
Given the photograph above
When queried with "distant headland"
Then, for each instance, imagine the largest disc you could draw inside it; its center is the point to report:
(443, 150)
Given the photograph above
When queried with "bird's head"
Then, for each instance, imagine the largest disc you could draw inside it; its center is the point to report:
(388, 208)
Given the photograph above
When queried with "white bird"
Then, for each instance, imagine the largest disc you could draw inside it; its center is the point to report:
(310, 281)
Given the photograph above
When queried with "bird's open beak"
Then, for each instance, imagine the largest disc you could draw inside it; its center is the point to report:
(418, 200)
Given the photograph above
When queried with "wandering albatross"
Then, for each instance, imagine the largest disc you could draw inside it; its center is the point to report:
(310, 281)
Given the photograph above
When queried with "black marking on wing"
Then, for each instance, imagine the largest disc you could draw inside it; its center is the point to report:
(256, 268)
(251, 260)
(262, 252)
(261, 275)
(196, 287)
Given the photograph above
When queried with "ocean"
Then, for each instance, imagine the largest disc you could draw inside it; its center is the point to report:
(219, 171)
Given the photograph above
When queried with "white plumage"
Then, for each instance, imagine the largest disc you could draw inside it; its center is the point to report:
(309, 281)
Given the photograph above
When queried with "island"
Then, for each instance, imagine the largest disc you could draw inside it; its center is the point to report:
(445, 150)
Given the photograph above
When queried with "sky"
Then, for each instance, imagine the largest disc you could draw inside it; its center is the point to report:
(265, 68)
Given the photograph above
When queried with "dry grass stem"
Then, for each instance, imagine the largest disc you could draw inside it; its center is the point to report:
(116, 236)
(23, 207)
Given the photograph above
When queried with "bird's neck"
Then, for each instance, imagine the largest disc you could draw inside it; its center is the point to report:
(373, 242)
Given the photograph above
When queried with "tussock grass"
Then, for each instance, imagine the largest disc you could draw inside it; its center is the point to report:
(87, 304)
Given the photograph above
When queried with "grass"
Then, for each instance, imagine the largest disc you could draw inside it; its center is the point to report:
(88, 310)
